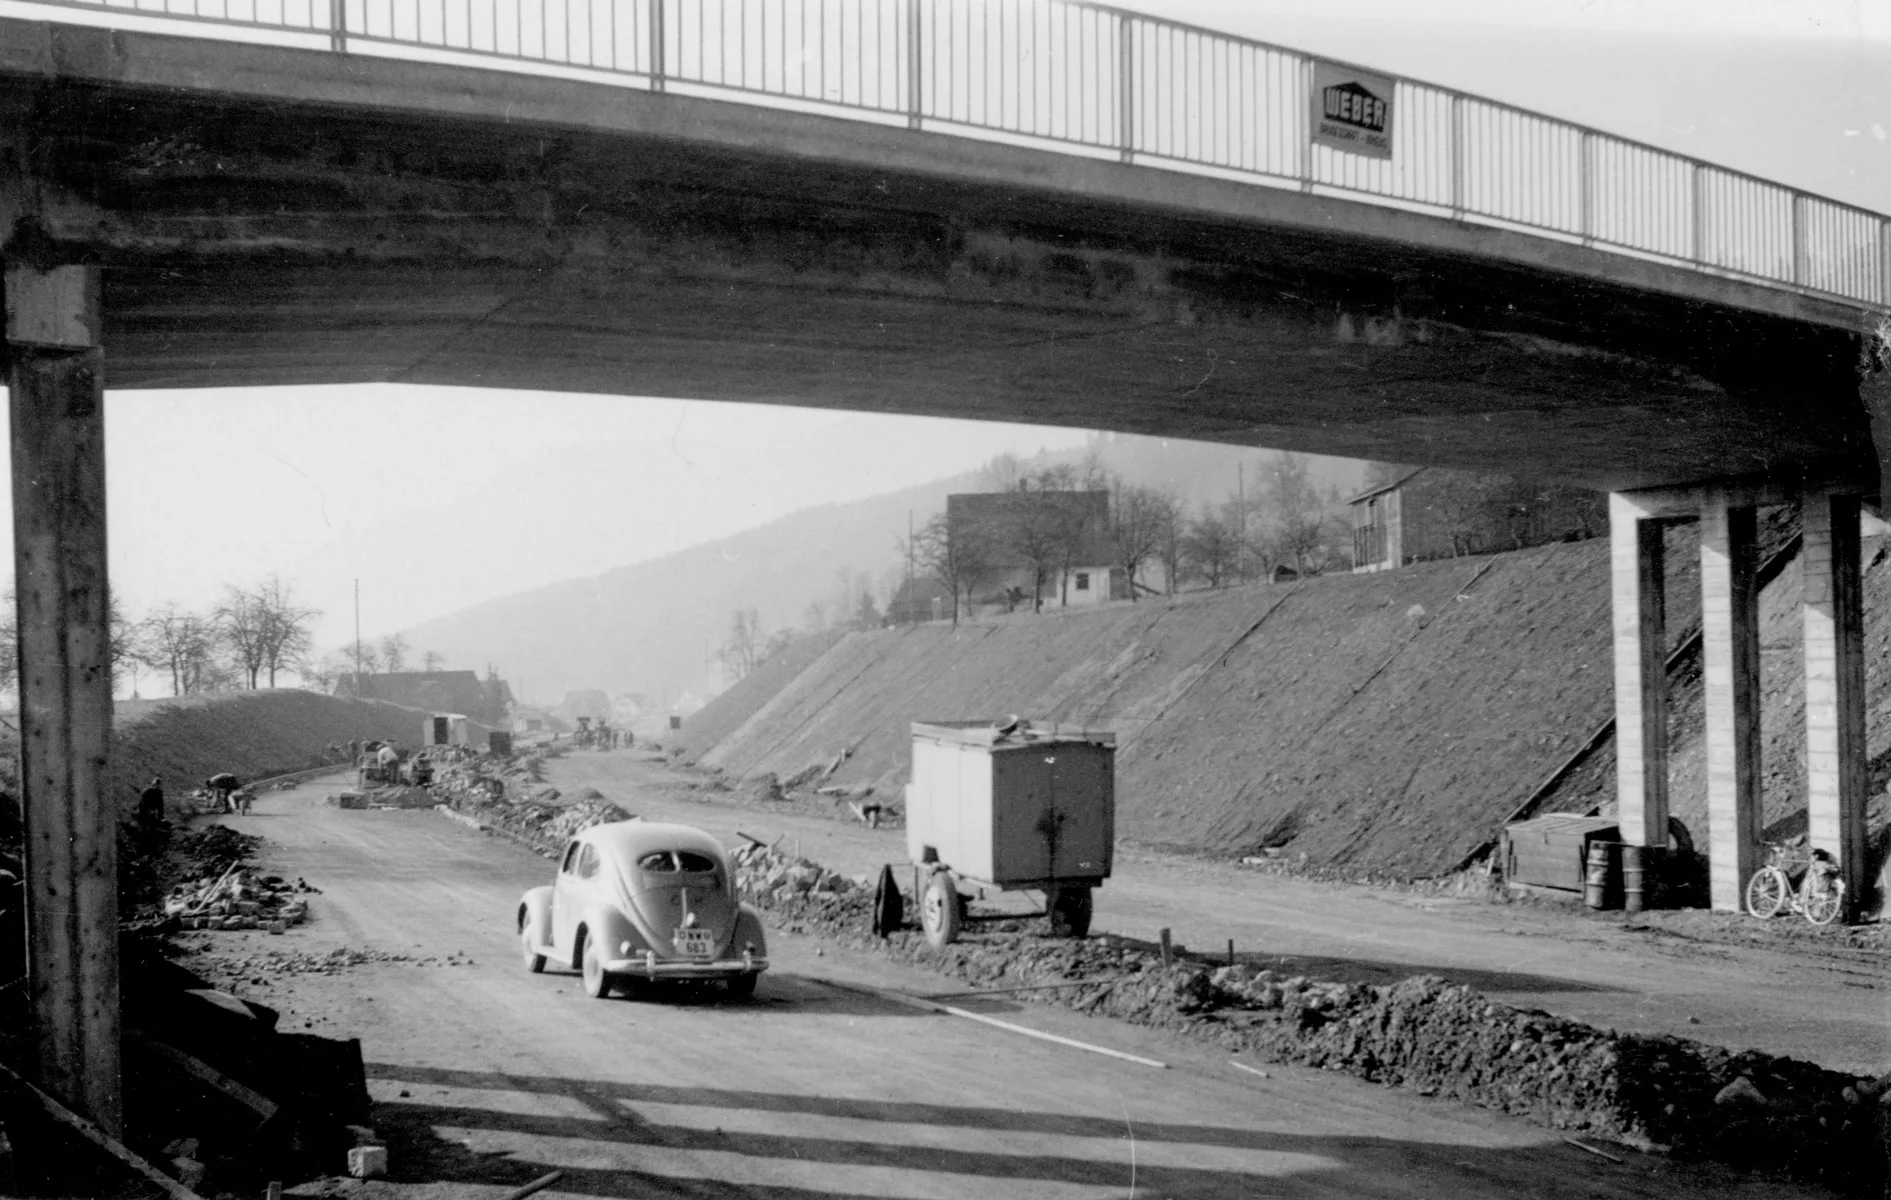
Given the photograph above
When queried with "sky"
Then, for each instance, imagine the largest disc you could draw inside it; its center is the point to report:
(213, 488)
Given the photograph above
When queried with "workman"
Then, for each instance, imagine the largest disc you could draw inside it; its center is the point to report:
(390, 760)
(221, 786)
(151, 802)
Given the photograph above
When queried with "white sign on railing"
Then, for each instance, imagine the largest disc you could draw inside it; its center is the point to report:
(1352, 110)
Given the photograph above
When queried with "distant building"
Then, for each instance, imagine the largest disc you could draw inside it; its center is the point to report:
(1002, 526)
(484, 700)
(922, 598)
(1430, 513)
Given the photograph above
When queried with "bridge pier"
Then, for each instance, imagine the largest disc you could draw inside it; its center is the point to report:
(56, 380)
(1730, 669)
(1639, 573)
(1832, 608)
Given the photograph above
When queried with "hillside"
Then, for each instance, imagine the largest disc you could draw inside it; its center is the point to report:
(654, 626)
(1382, 723)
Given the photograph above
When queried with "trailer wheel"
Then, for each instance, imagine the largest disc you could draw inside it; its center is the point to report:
(940, 911)
(1069, 911)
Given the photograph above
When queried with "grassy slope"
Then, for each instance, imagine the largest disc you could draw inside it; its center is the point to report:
(253, 734)
(1383, 722)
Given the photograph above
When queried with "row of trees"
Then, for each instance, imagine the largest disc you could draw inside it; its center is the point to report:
(247, 640)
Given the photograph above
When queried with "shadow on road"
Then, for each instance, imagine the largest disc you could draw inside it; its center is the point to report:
(746, 1131)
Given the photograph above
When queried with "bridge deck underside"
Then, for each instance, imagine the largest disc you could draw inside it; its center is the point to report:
(294, 238)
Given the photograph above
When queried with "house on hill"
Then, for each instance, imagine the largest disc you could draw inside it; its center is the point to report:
(1429, 513)
(484, 700)
(1055, 545)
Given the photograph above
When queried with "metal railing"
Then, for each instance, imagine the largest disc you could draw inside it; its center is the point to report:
(1092, 79)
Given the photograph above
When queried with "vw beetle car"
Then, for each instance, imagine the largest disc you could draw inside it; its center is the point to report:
(639, 900)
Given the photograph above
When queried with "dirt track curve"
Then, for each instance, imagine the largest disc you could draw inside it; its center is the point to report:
(486, 1077)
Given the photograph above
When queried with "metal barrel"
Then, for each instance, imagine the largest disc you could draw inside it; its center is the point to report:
(1632, 898)
(1596, 881)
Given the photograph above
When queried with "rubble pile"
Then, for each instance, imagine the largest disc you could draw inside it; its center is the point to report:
(1750, 1109)
(509, 794)
(239, 899)
(766, 875)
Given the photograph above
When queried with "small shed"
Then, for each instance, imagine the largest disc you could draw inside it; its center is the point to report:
(446, 729)
(1552, 851)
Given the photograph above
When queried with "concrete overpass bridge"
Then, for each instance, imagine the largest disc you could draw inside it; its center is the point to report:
(1051, 212)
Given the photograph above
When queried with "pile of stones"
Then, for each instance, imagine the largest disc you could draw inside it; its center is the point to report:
(239, 899)
(768, 876)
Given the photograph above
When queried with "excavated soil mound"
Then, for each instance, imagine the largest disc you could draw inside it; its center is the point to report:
(1383, 724)
(1754, 1110)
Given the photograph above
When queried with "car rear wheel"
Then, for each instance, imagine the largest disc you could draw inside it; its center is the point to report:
(534, 961)
(741, 987)
(597, 981)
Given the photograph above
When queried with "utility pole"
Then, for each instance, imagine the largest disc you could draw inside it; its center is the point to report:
(1241, 511)
(909, 562)
(357, 638)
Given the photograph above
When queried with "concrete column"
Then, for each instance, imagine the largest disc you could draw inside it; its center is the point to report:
(1835, 684)
(1730, 650)
(1641, 673)
(56, 382)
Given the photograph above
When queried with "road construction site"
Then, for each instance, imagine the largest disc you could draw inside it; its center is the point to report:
(834, 1081)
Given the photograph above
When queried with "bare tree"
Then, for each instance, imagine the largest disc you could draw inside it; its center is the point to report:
(742, 651)
(242, 625)
(957, 559)
(1140, 517)
(362, 657)
(432, 660)
(321, 673)
(394, 649)
(1300, 526)
(185, 645)
(286, 635)
(1210, 546)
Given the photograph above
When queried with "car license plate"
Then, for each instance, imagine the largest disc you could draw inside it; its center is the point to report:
(695, 943)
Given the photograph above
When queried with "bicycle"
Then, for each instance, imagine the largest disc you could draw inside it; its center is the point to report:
(1819, 895)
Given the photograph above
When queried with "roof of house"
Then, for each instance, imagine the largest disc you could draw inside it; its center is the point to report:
(435, 691)
(1383, 488)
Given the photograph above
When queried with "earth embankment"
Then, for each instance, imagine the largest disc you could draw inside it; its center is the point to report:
(1380, 723)
(253, 735)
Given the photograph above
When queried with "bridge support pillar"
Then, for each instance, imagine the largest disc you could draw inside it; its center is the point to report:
(1730, 651)
(1835, 684)
(56, 380)
(1639, 579)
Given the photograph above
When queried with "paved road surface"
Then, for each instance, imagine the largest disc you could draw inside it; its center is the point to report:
(486, 1077)
(1833, 1009)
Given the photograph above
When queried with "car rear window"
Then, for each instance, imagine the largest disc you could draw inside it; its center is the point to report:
(671, 861)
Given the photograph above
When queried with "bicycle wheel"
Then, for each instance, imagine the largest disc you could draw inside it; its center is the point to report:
(1823, 905)
(1767, 892)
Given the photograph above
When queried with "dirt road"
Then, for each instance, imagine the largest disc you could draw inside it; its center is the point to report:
(1833, 1008)
(485, 1076)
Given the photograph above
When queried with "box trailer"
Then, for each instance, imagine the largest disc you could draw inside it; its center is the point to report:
(1010, 805)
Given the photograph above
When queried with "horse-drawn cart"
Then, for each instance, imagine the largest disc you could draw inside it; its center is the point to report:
(1009, 806)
